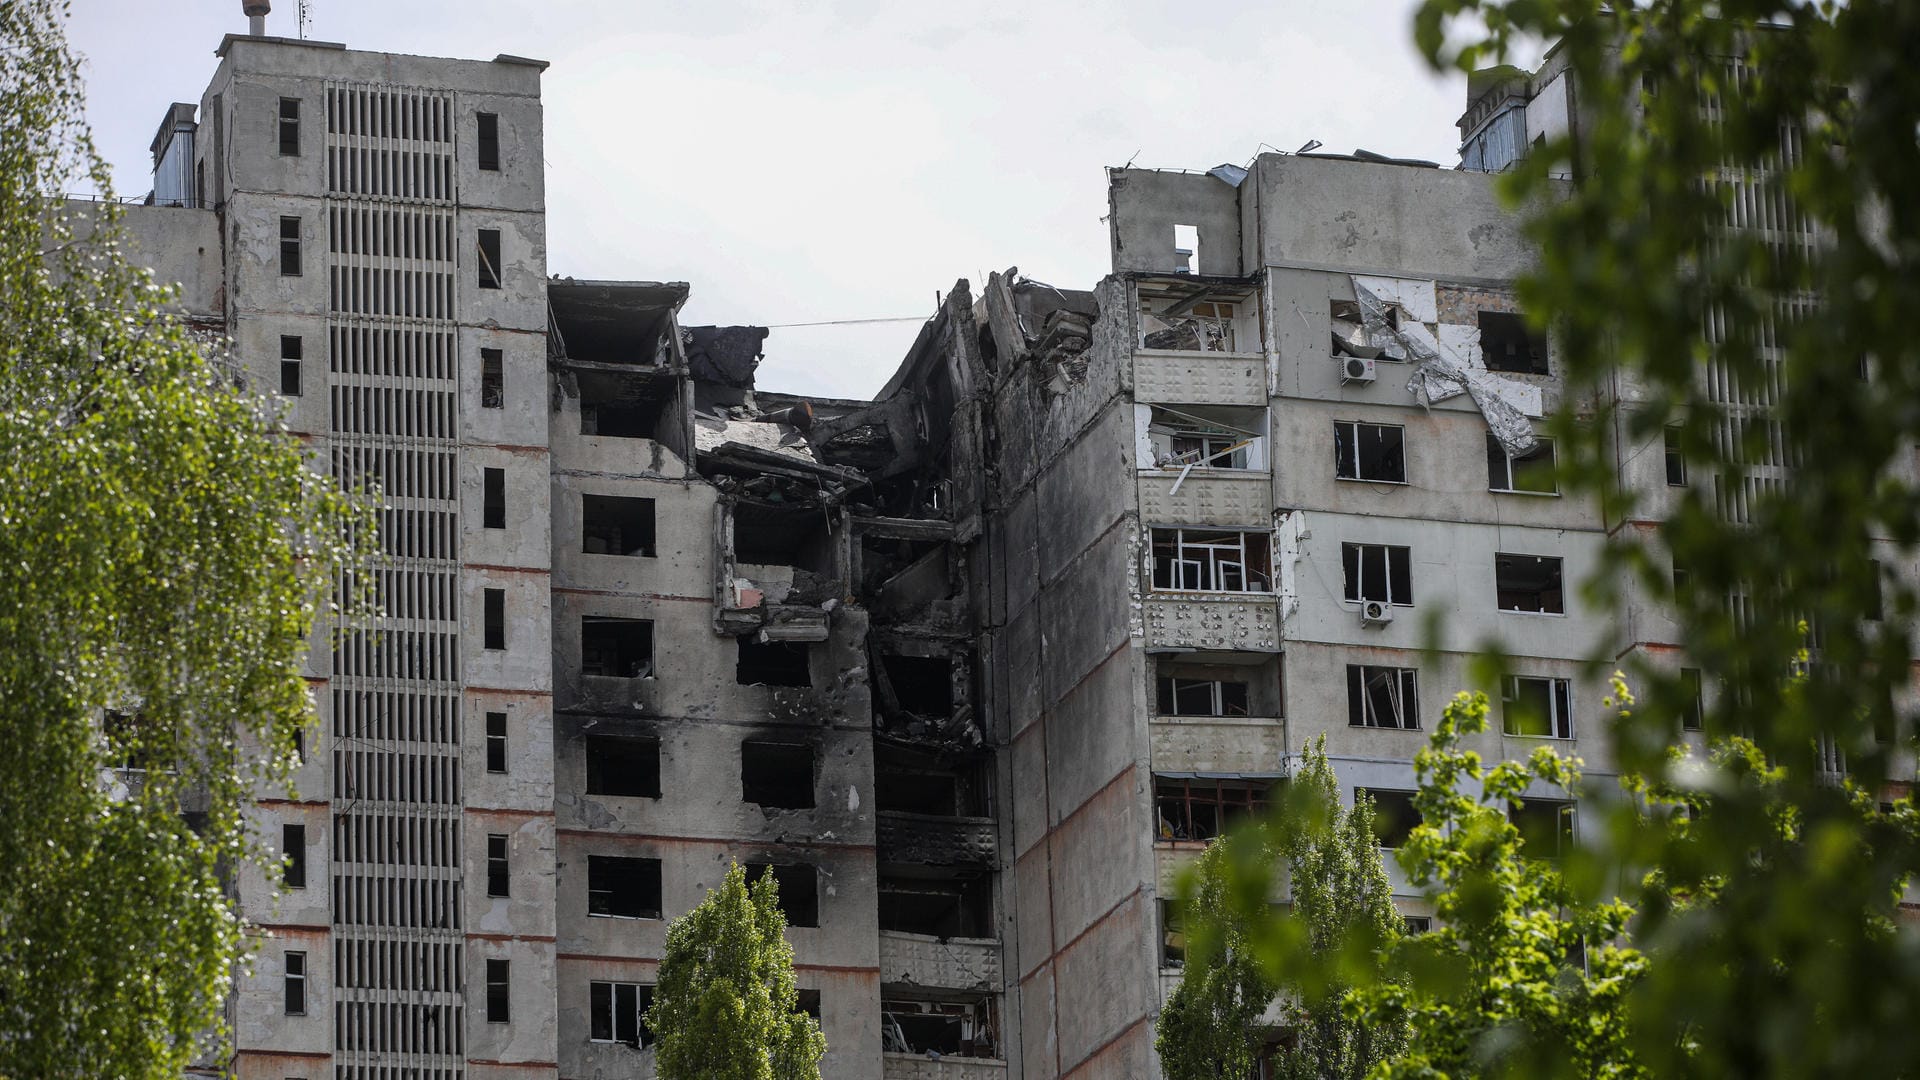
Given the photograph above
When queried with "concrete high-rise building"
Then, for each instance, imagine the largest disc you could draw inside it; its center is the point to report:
(974, 667)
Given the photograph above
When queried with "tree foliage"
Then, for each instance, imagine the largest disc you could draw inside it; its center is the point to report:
(726, 1007)
(163, 551)
(1209, 1028)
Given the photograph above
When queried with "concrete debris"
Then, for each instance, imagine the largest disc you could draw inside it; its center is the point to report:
(724, 354)
(1436, 378)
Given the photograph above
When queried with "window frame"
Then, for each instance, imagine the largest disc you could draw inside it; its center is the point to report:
(293, 350)
(488, 271)
(293, 853)
(496, 742)
(603, 897)
(1676, 458)
(291, 243)
(1400, 796)
(1567, 832)
(1209, 562)
(499, 866)
(493, 378)
(1559, 716)
(1250, 796)
(293, 968)
(1560, 593)
(1167, 691)
(1498, 454)
(1354, 578)
(289, 127)
(493, 497)
(499, 991)
(1346, 449)
(642, 994)
(1403, 684)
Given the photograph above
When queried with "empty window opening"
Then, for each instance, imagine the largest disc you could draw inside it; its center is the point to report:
(1374, 452)
(493, 483)
(623, 766)
(289, 127)
(294, 983)
(937, 1028)
(1507, 343)
(921, 685)
(1546, 826)
(1173, 936)
(620, 1013)
(494, 601)
(773, 663)
(498, 998)
(292, 349)
(487, 251)
(1416, 924)
(1695, 716)
(799, 888)
(616, 648)
(777, 536)
(489, 141)
(1188, 324)
(1186, 248)
(289, 247)
(493, 379)
(1200, 697)
(1676, 458)
(1531, 472)
(1207, 560)
(1529, 583)
(293, 849)
(943, 907)
(1394, 815)
(1207, 437)
(496, 742)
(1539, 707)
(616, 525)
(623, 888)
(914, 783)
(777, 775)
(1379, 572)
(1197, 806)
(498, 874)
(1383, 697)
(624, 419)
(808, 1001)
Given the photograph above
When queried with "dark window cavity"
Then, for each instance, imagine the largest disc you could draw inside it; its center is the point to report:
(289, 247)
(776, 775)
(1416, 924)
(623, 888)
(496, 742)
(1394, 817)
(497, 996)
(488, 250)
(1378, 572)
(494, 601)
(1202, 807)
(799, 888)
(944, 907)
(1676, 459)
(493, 379)
(616, 648)
(1695, 718)
(289, 127)
(616, 525)
(1201, 697)
(623, 766)
(293, 848)
(619, 1013)
(1383, 697)
(498, 870)
(493, 483)
(1546, 826)
(1529, 583)
(291, 353)
(1173, 936)
(773, 663)
(489, 124)
(1369, 452)
(1539, 707)
(1508, 344)
(295, 983)
(1531, 472)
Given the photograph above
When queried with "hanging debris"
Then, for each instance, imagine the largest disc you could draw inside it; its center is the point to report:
(1436, 378)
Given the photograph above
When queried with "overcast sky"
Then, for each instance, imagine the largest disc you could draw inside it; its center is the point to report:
(843, 160)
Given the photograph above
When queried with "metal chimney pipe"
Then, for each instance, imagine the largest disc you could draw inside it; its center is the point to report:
(256, 12)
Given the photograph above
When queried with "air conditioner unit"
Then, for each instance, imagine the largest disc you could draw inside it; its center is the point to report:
(1375, 613)
(1356, 369)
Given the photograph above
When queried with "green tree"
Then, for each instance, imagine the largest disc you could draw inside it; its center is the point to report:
(726, 1007)
(1209, 1028)
(164, 549)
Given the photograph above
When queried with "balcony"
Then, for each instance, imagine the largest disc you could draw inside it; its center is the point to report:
(936, 840)
(1217, 744)
(1200, 378)
(939, 963)
(1244, 622)
(921, 1067)
(1206, 496)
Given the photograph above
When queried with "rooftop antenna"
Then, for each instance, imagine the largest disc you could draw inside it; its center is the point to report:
(306, 18)
(256, 13)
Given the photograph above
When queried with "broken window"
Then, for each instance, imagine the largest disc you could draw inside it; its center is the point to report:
(294, 983)
(1369, 452)
(493, 603)
(621, 419)
(1207, 437)
(292, 351)
(1528, 583)
(289, 127)
(623, 888)
(493, 379)
(496, 742)
(289, 247)
(623, 766)
(918, 783)
(1508, 344)
(777, 775)
(1189, 316)
(922, 685)
(497, 868)
(620, 1012)
(293, 849)
(1208, 560)
(487, 249)
(497, 996)
(1695, 716)
(781, 536)
(1546, 826)
(489, 141)
(808, 1001)
(773, 663)
(1379, 572)
(799, 889)
(1394, 815)
(1540, 707)
(1676, 459)
(942, 907)
(1412, 925)
(616, 525)
(1173, 937)
(1531, 472)
(616, 648)
(937, 1027)
(1200, 697)
(1198, 806)
(493, 484)
(1383, 697)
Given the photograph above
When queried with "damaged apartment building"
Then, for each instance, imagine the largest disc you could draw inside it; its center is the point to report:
(973, 667)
